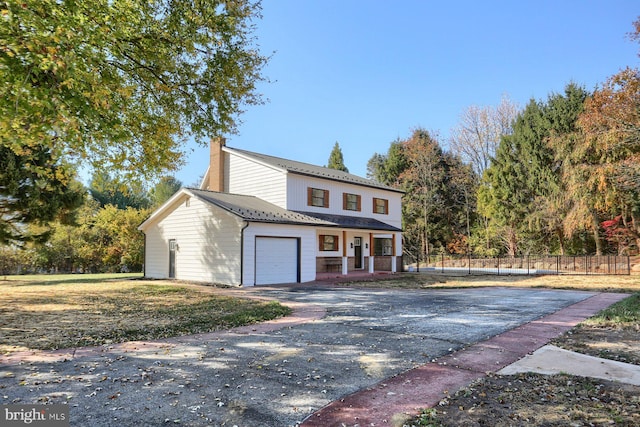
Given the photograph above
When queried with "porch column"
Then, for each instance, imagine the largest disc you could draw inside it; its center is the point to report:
(393, 253)
(345, 259)
(371, 260)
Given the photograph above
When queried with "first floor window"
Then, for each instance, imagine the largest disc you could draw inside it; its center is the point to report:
(382, 247)
(328, 243)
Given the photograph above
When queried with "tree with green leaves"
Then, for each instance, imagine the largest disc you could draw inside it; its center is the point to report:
(166, 187)
(336, 161)
(122, 84)
(104, 239)
(36, 188)
(522, 192)
(434, 210)
(387, 168)
(117, 86)
(109, 190)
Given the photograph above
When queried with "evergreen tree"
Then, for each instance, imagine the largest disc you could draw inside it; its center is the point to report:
(107, 190)
(523, 193)
(387, 168)
(164, 189)
(336, 160)
(36, 188)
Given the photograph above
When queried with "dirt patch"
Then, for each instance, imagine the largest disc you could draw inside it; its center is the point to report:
(537, 400)
(621, 344)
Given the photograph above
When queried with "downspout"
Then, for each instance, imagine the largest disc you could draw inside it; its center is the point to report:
(144, 256)
(246, 224)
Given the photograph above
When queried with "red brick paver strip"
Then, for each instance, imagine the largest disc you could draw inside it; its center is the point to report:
(406, 394)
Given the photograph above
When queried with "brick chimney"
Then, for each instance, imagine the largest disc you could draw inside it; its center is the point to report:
(216, 165)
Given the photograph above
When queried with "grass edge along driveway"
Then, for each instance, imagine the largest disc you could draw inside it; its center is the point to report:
(66, 311)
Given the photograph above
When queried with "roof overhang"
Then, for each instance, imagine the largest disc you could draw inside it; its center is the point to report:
(353, 222)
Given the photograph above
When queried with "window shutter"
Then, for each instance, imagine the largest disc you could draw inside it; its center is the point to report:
(326, 198)
(309, 196)
(320, 242)
(386, 206)
(374, 206)
(358, 203)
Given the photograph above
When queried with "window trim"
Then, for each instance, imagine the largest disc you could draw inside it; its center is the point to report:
(382, 244)
(385, 206)
(335, 245)
(345, 202)
(325, 197)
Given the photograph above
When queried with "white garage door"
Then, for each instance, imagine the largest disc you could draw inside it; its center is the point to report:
(276, 260)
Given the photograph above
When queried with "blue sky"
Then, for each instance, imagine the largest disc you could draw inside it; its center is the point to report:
(366, 72)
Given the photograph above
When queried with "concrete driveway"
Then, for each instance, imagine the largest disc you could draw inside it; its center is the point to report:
(276, 378)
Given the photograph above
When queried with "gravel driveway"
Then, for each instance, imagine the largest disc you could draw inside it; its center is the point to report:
(277, 378)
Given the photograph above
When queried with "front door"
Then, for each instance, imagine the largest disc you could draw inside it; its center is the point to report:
(172, 258)
(357, 252)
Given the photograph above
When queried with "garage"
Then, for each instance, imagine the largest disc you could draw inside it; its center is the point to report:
(277, 260)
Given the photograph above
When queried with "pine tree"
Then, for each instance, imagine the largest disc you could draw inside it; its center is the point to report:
(336, 160)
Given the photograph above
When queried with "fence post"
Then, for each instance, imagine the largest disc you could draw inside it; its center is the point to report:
(586, 266)
(498, 265)
(628, 265)
(527, 264)
(469, 263)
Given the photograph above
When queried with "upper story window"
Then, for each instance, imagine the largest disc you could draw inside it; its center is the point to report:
(381, 206)
(328, 243)
(317, 197)
(351, 202)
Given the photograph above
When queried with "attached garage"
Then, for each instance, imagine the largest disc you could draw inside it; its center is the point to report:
(277, 260)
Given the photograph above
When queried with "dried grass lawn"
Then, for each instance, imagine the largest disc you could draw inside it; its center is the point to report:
(598, 283)
(50, 312)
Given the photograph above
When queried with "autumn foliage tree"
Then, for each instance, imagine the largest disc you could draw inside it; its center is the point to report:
(439, 201)
(120, 85)
(607, 159)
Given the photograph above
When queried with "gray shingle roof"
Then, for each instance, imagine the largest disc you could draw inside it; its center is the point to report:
(312, 170)
(254, 209)
(352, 222)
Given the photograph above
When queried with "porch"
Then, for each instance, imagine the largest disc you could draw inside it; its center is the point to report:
(352, 275)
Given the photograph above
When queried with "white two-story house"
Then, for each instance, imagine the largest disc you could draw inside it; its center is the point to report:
(258, 219)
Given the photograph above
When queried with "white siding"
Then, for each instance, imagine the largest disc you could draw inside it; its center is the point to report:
(307, 236)
(208, 242)
(297, 198)
(254, 179)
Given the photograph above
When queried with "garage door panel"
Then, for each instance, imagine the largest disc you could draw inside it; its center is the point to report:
(276, 260)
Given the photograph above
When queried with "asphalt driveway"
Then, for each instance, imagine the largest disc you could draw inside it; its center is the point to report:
(277, 378)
